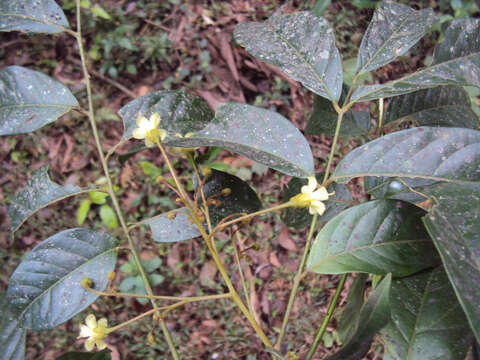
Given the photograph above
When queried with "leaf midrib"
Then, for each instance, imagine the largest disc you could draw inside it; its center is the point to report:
(42, 21)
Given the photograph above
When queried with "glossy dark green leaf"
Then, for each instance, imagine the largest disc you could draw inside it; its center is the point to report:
(348, 322)
(456, 62)
(76, 355)
(374, 315)
(261, 135)
(181, 113)
(427, 153)
(454, 225)
(242, 199)
(298, 218)
(394, 29)
(12, 334)
(131, 152)
(302, 45)
(39, 192)
(30, 100)
(427, 322)
(37, 16)
(439, 106)
(376, 237)
(324, 120)
(45, 288)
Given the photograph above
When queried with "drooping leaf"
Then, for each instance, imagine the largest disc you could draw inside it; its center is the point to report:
(108, 216)
(45, 289)
(39, 192)
(456, 62)
(82, 211)
(439, 106)
(454, 225)
(302, 45)
(12, 333)
(181, 113)
(394, 29)
(348, 322)
(298, 218)
(374, 315)
(242, 199)
(377, 237)
(30, 100)
(429, 154)
(37, 16)
(76, 355)
(427, 322)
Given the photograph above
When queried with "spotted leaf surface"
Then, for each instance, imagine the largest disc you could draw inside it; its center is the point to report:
(394, 29)
(12, 334)
(180, 113)
(454, 225)
(455, 63)
(426, 322)
(30, 100)
(45, 288)
(298, 218)
(374, 315)
(439, 106)
(302, 45)
(430, 154)
(39, 192)
(36, 16)
(377, 237)
(242, 199)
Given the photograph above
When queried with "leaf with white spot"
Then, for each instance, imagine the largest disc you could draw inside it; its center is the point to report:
(12, 333)
(302, 45)
(45, 289)
(39, 192)
(30, 100)
(33, 16)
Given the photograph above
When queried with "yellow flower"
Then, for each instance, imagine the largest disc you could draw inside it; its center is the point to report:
(148, 130)
(312, 197)
(95, 332)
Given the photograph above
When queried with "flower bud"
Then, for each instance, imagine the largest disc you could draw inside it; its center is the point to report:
(151, 338)
(172, 215)
(111, 275)
(86, 283)
(206, 171)
(226, 191)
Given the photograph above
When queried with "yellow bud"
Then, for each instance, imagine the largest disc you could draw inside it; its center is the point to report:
(159, 179)
(172, 215)
(226, 191)
(156, 317)
(111, 275)
(86, 283)
(151, 338)
(178, 200)
(189, 134)
(206, 171)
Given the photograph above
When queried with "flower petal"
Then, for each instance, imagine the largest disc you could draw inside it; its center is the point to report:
(312, 184)
(148, 142)
(139, 133)
(318, 206)
(320, 194)
(141, 120)
(103, 322)
(90, 344)
(101, 344)
(162, 133)
(91, 321)
(85, 331)
(155, 120)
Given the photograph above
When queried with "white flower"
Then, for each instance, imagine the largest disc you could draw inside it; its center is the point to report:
(312, 197)
(95, 332)
(148, 130)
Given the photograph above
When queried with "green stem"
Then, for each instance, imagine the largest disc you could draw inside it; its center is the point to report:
(91, 117)
(334, 145)
(326, 320)
(380, 116)
(296, 282)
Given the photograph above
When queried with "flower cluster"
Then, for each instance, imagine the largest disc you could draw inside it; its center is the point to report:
(312, 196)
(148, 130)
